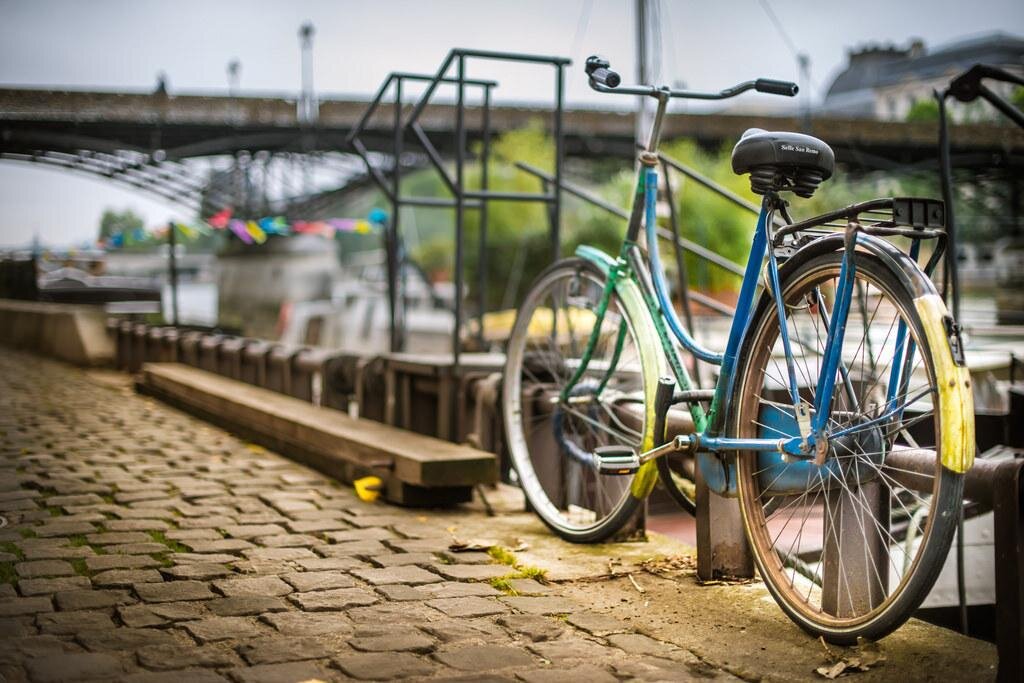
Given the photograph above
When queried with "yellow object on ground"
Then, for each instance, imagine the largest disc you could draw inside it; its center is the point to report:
(368, 488)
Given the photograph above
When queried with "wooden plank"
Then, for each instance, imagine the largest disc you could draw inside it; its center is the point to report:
(412, 458)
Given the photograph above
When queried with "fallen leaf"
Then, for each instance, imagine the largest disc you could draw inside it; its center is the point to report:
(457, 546)
(832, 672)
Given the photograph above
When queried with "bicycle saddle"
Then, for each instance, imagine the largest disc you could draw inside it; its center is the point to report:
(778, 161)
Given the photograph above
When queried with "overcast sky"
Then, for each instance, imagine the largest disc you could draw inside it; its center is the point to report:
(123, 44)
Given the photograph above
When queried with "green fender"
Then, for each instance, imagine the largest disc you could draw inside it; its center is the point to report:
(651, 359)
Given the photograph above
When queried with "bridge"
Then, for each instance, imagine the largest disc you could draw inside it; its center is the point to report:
(143, 138)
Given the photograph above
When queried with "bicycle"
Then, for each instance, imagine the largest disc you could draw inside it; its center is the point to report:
(842, 416)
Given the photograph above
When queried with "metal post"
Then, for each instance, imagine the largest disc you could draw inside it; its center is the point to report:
(722, 548)
(556, 226)
(460, 144)
(172, 267)
(855, 559)
(485, 155)
(391, 239)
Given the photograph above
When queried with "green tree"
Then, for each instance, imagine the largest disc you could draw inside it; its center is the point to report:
(924, 111)
(113, 222)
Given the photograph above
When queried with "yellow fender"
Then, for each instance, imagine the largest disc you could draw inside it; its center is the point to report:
(956, 399)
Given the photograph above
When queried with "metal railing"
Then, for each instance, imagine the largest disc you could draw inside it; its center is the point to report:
(462, 198)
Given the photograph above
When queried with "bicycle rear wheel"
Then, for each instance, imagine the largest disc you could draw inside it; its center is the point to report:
(849, 548)
(551, 441)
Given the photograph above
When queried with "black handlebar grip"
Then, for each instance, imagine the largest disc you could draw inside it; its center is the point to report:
(773, 87)
(606, 77)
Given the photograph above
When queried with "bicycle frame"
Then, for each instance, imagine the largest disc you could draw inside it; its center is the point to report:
(632, 266)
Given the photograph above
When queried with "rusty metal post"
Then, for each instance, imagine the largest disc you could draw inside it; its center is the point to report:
(1007, 496)
(722, 548)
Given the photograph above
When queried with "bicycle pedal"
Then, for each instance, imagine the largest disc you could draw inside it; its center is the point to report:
(616, 460)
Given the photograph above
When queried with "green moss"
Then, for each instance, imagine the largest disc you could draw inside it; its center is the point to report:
(502, 555)
(27, 532)
(7, 573)
(78, 564)
(164, 559)
(9, 547)
(535, 573)
(504, 584)
(107, 498)
(77, 541)
(54, 511)
(176, 547)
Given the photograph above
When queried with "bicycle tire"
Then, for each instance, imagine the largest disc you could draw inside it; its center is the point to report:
(573, 500)
(855, 474)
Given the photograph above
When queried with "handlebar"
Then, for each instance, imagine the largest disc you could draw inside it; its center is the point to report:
(603, 79)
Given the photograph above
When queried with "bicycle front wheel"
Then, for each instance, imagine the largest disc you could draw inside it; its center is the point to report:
(551, 441)
(850, 547)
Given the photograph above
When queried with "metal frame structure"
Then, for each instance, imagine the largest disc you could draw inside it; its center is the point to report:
(462, 198)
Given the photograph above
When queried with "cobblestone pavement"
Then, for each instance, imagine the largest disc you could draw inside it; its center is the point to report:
(143, 545)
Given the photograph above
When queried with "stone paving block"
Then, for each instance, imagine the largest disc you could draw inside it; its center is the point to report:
(29, 587)
(569, 648)
(112, 537)
(207, 534)
(469, 557)
(257, 586)
(449, 630)
(199, 571)
(124, 639)
(70, 623)
(401, 593)
(472, 572)
(532, 627)
(210, 558)
(247, 605)
(409, 575)
(383, 666)
(13, 607)
(213, 629)
(402, 559)
(541, 605)
(125, 578)
(467, 607)
(529, 587)
(16, 627)
(395, 639)
(284, 554)
(250, 531)
(315, 581)
(597, 624)
(366, 549)
(63, 529)
(57, 552)
(174, 591)
(306, 624)
(105, 562)
(484, 657)
(368, 534)
(189, 675)
(454, 589)
(421, 545)
(289, 541)
(332, 600)
(278, 649)
(139, 616)
(136, 548)
(307, 526)
(136, 525)
(59, 668)
(223, 545)
(180, 656)
(82, 499)
(585, 672)
(409, 613)
(639, 644)
(92, 599)
(40, 568)
(291, 672)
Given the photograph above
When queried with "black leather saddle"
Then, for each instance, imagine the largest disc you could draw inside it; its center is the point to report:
(783, 161)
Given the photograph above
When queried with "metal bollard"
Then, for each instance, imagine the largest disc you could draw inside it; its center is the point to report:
(169, 345)
(279, 368)
(154, 345)
(253, 368)
(188, 348)
(229, 357)
(124, 345)
(208, 346)
(138, 346)
(307, 374)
